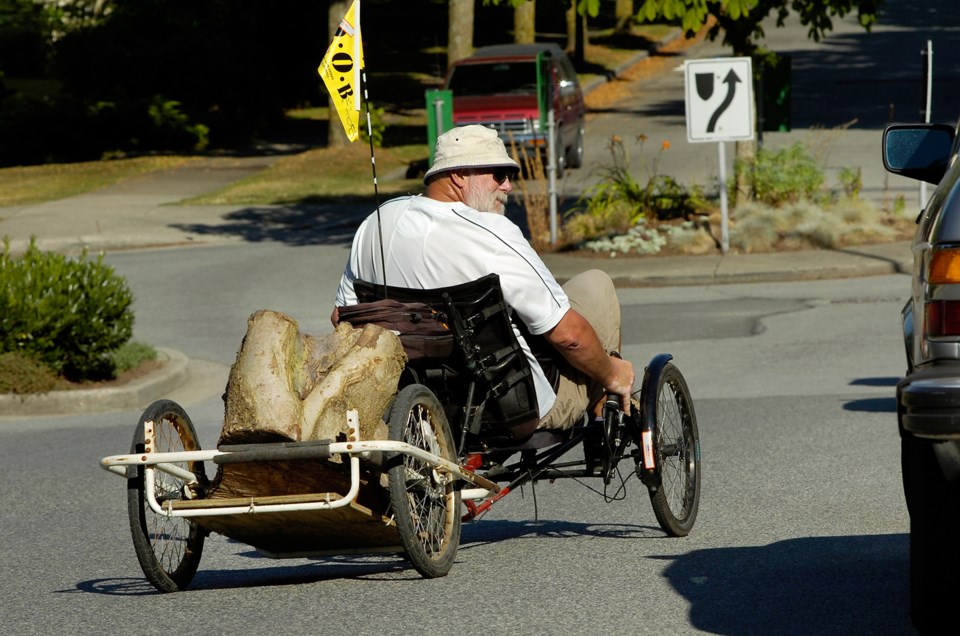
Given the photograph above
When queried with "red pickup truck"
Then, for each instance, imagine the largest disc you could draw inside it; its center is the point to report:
(508, 88)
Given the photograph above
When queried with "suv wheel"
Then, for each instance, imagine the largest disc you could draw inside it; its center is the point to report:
(561, 151)
(934, 505)
(575, 154)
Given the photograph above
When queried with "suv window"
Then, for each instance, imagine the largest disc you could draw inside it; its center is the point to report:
(490, 79)
(568, 77)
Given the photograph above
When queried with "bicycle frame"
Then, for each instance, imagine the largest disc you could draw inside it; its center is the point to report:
(355, 448)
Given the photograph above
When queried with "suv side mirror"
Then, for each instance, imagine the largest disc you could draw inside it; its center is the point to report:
(918, 151)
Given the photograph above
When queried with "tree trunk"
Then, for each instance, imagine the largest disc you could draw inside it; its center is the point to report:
(524, 22)
(286, 385)
(624, 16)
(580, 50)
(459, 30)
(571, 27)
(336, 136)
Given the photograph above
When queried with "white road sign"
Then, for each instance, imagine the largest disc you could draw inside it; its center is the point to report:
(719, 99)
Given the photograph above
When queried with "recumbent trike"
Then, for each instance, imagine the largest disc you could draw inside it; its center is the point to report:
(406, 493)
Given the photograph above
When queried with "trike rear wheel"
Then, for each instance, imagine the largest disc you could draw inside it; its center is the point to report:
(168, 548)
(425, 501)
(676, 499)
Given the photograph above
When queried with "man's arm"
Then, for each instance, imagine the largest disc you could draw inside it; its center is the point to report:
(578, 343)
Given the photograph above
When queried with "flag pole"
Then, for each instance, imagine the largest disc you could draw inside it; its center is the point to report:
(373, 167)
(362, 72)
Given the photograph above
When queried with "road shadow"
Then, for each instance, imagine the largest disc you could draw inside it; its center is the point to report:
(887, 404)
(326, 569)
(816, 586)
(362, 566)
(882, 381)
(295, 225)
(875, 77)
(328, 221)
(483, 532)
(896, 266)
(872, 405)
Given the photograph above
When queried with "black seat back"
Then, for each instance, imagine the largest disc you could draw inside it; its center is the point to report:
(486, 351)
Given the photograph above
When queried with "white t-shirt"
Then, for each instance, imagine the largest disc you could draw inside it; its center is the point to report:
(429, 244)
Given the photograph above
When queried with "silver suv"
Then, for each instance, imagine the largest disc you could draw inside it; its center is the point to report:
(929, 396)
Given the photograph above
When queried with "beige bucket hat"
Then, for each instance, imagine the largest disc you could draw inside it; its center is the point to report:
(471, 146)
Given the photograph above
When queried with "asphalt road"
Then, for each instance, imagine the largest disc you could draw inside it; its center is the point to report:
(802, 525)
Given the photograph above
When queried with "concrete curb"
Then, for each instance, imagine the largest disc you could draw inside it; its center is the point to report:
(134, 395)
(623, 67)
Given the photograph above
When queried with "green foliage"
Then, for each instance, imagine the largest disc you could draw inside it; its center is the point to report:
(780, 176)
(741, 21)
(851, 181)
(619, 200)
(130, 355)
(168, 119)
(377, 125)
(899, 204)
(25, 29)
(68, 314)
(22, 374)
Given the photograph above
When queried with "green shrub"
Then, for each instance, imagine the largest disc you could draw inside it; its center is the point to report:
(377, 125)
(67, 313)
(783, 176)
(130, 355)
(22, 374)
(173, 128)
(619, 201)
(851, 181)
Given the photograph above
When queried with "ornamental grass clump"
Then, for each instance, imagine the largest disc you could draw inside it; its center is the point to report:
(68, 314)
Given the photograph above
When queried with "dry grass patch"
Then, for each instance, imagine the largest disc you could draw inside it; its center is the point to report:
(35, 184)
(343, 172)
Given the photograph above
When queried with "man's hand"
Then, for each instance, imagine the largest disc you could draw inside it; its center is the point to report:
(622, 381)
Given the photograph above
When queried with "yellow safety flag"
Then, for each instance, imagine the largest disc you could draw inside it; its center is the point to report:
(340, 70)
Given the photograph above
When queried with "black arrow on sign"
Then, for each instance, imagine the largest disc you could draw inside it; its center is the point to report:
(731, 82)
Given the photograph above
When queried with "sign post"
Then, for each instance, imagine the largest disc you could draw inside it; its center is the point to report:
(720, 107)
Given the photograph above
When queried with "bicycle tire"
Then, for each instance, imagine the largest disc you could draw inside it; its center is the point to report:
(168, 548)
(675, 493)
(425, 502)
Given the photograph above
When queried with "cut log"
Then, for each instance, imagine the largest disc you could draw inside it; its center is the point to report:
(289, 386)
(286, 385)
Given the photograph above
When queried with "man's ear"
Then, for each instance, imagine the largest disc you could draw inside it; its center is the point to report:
(458, 179)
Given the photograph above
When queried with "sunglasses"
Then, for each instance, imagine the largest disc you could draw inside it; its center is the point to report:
(502, 174)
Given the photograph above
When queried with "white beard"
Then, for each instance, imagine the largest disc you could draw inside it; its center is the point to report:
(485, 201)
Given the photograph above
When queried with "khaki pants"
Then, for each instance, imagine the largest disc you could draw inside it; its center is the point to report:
(592, 295)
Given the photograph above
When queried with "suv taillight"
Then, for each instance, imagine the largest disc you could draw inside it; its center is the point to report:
(942, 318)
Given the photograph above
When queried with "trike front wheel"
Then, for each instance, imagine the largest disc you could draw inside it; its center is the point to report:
(424, 499)
(676, 449)
(168, 548)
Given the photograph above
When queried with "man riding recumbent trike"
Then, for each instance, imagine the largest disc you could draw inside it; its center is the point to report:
(476, 377)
